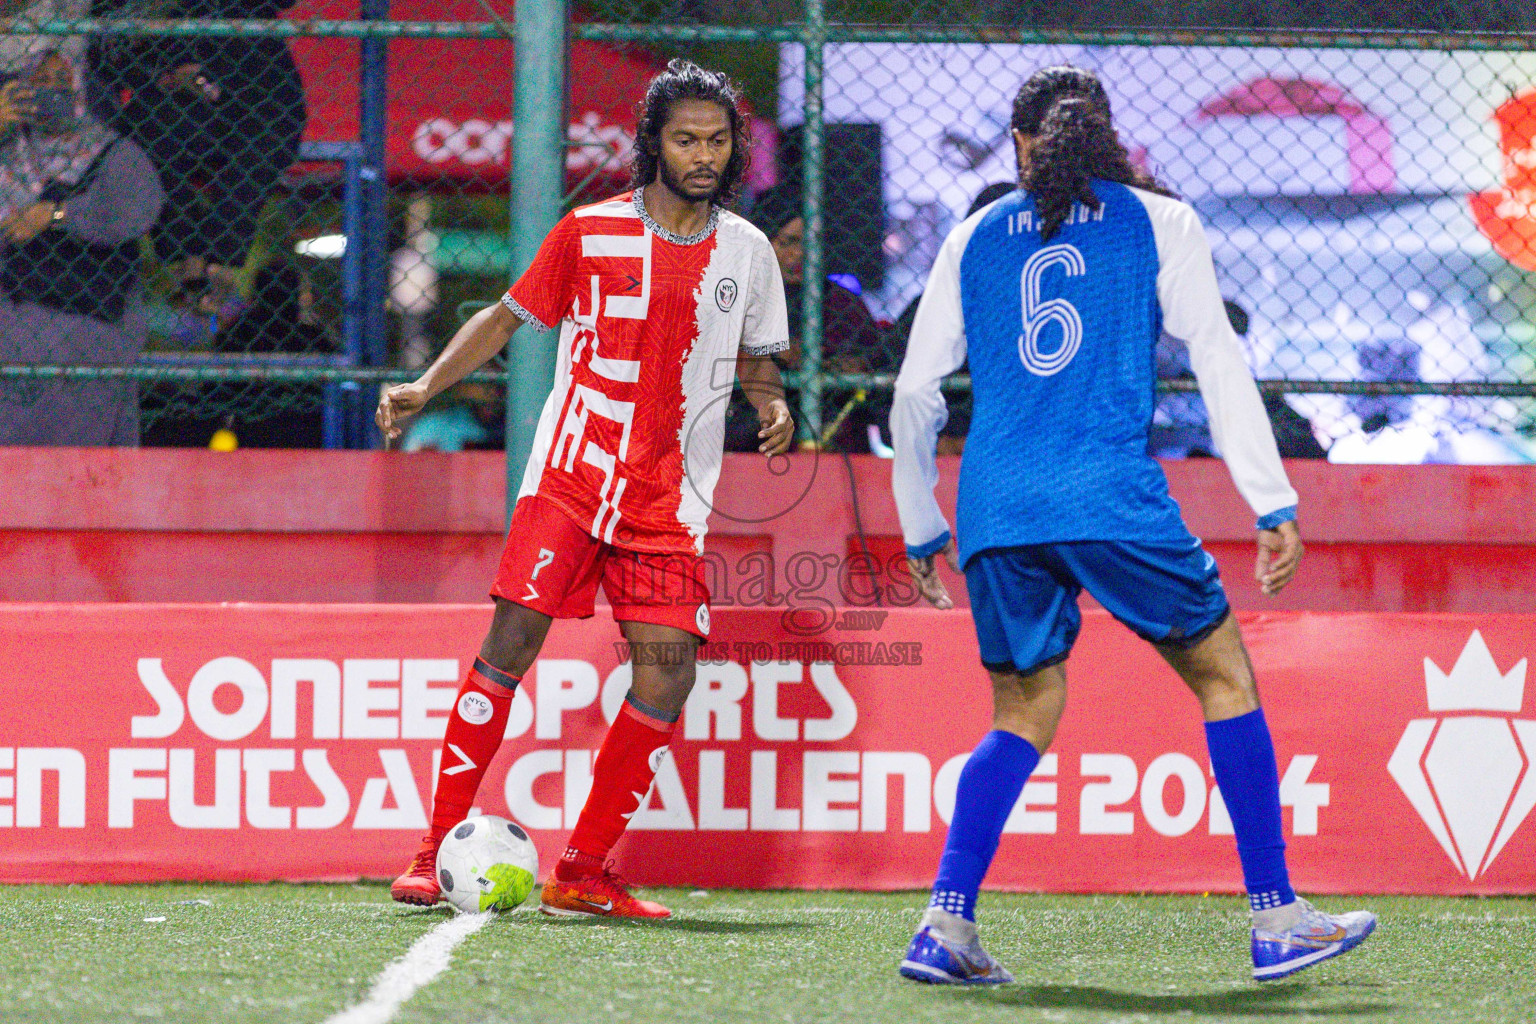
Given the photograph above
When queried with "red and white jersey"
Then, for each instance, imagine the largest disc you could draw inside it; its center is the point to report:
(630, 440)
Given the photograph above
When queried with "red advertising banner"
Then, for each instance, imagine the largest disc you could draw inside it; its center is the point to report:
(257, 742)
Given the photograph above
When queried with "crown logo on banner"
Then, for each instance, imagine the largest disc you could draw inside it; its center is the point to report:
(1471, 777)
(1475, 684)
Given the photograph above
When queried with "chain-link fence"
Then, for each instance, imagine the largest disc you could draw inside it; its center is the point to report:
(240, 228)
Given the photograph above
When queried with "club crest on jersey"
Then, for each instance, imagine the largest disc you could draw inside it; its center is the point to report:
(725, 295)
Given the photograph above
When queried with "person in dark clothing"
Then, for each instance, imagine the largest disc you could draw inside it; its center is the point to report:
(851, 341)
(220, 117)
(1293, 433)
(281, 317)
(952, 436)
(280, 320)
(1181, 429)
(74, 200)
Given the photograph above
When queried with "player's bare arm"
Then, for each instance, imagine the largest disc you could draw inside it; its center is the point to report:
(760, 379)
(481, 337)
(1280, 552)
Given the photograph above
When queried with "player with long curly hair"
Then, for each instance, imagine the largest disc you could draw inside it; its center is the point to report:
(1056, 295)
(651, 291)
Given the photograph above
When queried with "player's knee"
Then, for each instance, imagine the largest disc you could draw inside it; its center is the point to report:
(676, 675)
(1226, 692)
(1029, 705)
(514, 639)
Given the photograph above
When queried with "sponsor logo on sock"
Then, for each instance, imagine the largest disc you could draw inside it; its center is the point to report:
(701, 619)
(475, 709)
(655, 759)
(1471, 777)
(464, 765)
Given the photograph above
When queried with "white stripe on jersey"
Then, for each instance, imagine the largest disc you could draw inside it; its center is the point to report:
(545, 434)
(626, 371)
(624, 307)
(706, 394)
(612, 208)
(1193, 313)
(605, 506)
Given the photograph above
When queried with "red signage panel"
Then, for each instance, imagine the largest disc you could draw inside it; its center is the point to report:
(257, 742)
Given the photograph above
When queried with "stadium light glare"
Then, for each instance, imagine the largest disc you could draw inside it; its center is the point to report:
(325, 247)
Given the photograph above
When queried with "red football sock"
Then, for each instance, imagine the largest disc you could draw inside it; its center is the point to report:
(475, 726)
(621, 776)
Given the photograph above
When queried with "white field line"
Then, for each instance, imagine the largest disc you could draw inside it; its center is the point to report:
(425, 960)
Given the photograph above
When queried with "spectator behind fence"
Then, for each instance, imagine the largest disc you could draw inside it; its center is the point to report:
(280, 319)
(74, 200)
(221, 117)
(471, 415)
(281, 316)
(1180, 428)
(851, 341)
(952, 436)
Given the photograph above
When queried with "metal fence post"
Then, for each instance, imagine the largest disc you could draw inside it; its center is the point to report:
(537, 195)
(373, 93)
(814, 280)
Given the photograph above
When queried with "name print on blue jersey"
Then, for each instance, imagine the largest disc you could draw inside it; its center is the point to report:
(1026, 221)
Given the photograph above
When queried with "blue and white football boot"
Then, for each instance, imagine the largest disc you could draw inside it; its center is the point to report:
(1312, 939)
(946, 951)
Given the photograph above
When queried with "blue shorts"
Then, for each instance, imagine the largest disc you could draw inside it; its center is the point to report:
(1024, 599)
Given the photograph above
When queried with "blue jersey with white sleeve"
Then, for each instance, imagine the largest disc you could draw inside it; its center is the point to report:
(1060, 335)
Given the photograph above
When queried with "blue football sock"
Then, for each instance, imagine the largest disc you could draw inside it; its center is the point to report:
(989, 787)
(1243, 757)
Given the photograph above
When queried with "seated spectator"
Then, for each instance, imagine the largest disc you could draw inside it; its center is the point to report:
(471, 416)
(851, 342)
(280, 319)
(74, 200)
(221, 117)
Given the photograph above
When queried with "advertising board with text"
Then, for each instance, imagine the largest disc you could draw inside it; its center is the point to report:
(250, 742)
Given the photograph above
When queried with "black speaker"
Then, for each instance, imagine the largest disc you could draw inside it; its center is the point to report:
(854, 210)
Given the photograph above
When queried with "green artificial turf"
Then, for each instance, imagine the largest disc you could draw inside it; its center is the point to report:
(301, 953)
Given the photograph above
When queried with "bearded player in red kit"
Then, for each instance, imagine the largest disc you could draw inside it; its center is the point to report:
(661, 297)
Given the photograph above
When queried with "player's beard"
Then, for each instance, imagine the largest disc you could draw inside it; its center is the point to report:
(679, 188)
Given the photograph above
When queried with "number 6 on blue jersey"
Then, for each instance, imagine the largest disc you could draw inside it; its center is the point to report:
(1037, 315)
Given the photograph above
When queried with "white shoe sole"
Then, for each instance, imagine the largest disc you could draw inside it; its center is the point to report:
(937, 977)
(930, 974)
(545, 908)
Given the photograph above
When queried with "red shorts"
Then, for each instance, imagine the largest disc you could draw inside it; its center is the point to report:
(553, 566)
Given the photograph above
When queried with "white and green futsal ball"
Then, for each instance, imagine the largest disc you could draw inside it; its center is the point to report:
(486, 863)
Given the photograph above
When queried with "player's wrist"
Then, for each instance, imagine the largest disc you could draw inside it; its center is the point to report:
(1274, 520)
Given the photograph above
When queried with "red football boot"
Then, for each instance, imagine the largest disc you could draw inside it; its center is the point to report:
(418, 885)
(600, 895)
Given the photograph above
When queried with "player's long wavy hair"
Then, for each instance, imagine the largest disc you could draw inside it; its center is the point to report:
(685, 80)
(1065, 110)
